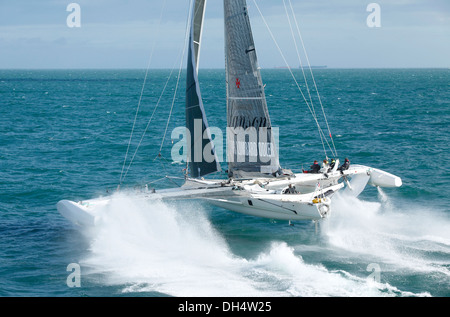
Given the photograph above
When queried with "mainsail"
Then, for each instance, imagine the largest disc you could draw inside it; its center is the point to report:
(201, 154)
(251, 148)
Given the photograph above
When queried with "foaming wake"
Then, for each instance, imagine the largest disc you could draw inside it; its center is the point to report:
(150, 246)
(406, 239)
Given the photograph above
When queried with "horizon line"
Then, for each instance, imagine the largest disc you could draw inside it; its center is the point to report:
(218, 68)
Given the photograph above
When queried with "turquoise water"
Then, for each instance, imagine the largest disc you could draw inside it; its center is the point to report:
(65, 134)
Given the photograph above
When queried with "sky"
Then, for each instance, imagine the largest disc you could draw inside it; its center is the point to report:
(138, 33)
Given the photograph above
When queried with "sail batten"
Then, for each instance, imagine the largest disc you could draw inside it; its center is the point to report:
(251, 148)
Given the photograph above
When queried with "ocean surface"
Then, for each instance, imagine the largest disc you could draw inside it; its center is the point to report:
(65, 133)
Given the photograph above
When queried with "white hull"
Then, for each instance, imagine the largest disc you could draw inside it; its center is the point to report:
(257, 197)
(77, 213)
(267, 210)
(273, 205)
(278, 206)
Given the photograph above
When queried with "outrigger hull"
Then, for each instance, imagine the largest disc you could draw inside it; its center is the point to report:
(247, 199)
(263, 197)
(85, 214)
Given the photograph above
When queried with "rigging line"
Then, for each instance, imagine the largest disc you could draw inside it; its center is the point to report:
(157, 180)
(164, 168)
(170, 179)
(289, 68)
(179, 74)
(312, 75)
(303, 72)
(149, 121)
(298, 54)
(142, 93)
(321, 134)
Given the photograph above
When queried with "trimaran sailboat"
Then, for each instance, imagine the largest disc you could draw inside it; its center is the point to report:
(256, 184)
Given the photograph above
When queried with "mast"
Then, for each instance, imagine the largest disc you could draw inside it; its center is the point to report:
(201, 156)
(251, 148)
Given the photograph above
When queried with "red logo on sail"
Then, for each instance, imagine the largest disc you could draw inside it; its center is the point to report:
(238, 83)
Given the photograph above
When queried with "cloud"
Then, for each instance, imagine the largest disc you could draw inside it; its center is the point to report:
(114, 33)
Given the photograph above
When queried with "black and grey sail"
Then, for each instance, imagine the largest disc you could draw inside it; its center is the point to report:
(251, 148)
(201, 154)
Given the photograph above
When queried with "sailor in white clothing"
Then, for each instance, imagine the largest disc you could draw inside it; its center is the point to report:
(325, 167)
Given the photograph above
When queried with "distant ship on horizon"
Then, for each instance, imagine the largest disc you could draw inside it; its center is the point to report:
(304, 67)
(319, 66)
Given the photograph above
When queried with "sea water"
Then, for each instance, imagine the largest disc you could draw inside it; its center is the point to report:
(65, 133)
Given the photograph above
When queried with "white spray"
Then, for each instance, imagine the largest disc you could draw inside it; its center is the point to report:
(150, 246)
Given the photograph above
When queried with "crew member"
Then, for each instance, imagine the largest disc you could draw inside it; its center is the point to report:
(332, 164)
(344, 166)
(291, 190)
(314, 169)
(325, 166)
